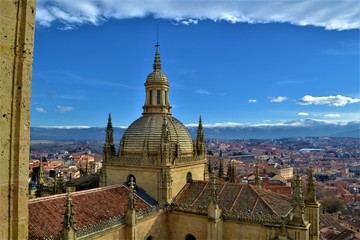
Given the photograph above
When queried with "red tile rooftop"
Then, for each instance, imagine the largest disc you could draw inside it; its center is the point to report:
(90, 206)
(235, 197)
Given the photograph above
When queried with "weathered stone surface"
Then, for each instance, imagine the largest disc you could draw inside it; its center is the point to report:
(17, 20)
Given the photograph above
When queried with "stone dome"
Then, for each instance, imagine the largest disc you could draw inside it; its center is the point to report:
(157, 77)
(145, 132)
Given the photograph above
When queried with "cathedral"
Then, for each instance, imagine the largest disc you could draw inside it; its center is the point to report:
(157, 186)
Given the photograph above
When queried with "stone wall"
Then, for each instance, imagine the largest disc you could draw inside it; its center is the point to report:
(16, 50)
(182, 224)
(233, 230)
(117, 232)
(178, 175)
(147, 178)
(153, 226)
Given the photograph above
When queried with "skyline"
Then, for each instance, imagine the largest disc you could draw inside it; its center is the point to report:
(228, 71)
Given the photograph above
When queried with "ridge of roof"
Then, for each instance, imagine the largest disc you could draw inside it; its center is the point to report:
(63, 195)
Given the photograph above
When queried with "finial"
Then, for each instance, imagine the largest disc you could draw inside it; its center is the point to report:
(311, 188)
(213, 190)
(69, 213)
(109, 125)
(157, 37)
(157, 62)
(298, 209)
(132, 194)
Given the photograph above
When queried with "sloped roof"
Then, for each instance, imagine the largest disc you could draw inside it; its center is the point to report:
(235, 197)
(91, 208)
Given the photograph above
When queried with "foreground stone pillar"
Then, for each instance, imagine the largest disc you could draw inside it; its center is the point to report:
(16, 54)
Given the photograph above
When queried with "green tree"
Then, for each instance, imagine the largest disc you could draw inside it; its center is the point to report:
(331, 204)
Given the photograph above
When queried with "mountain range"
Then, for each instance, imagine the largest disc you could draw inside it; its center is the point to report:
(296, 128)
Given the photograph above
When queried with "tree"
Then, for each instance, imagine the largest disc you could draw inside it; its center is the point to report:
(331, 204)
(221, 170)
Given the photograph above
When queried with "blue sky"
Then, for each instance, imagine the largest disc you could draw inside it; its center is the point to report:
(246, 62)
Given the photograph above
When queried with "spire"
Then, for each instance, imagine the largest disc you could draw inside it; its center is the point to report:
(311, 188)
(157, 61)
(69, 228)
(297, 212)
(200, 139)
(109, 147)
(257, 177)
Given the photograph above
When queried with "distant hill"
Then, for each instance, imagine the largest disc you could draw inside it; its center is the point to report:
(297, 128)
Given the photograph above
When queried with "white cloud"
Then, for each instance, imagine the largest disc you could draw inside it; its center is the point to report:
(303, 114)
(63, 109)
(332, 115)
(212, 125)
(202, 91)
(338, 15)
(40, 110)
(190, 21)
(66, 127)
(252, 100)
(293, 123)
(337, 100)
(278, 99)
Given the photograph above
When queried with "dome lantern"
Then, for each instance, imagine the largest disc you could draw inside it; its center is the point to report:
(157, 89)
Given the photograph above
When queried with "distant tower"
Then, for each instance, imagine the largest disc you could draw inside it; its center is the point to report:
(312, 207)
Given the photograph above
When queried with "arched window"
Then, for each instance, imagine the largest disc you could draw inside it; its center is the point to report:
(129, 177)
(149, 238)
(158, 97)
(150, 97)
(190, 237)
(188, 177)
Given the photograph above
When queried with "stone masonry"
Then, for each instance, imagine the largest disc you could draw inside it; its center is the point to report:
(17, 23)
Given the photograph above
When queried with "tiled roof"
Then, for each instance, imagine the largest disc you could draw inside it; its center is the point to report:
(235, 197)
(91, 207)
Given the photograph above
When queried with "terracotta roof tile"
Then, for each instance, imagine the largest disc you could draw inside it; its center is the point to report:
(235, 197)
(91, 207)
